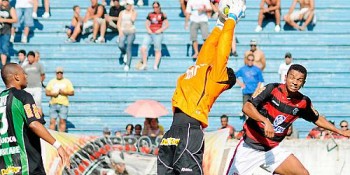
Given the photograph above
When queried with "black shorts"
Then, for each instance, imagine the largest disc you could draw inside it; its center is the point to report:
(182, 147)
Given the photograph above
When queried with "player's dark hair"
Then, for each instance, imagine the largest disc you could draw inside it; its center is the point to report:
(31, 53)
(224, 116)
(138, 126)
(298, 68)
(132, 127)
(22, 51)
(156, 2)
(75, 7)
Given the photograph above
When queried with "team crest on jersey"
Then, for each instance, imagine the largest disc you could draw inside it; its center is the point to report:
(295, 111)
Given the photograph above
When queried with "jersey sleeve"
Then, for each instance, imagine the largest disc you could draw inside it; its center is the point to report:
(310, 113)
(148, 17)
(262, 94)
(49, 86)
(31, 112)
(70, 86)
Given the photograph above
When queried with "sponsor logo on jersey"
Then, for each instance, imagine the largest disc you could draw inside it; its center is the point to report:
(186, 170)
(8, 140)
(10, 170)
(279, 120)
(10, 150)
(169, 141)
(274, 102)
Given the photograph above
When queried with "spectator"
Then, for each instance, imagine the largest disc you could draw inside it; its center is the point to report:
(7, 18)
(138, 130)
(59, 89)
(183, 5)
(196, 12)
(75, 22)
(318, 133)
(99, 25)
(224, 124)
(140, 3)
(106, 132)
(94, 15)
(155, 29)
(24, 9)
(128, 130)
(343, 126)
(112, 18)
(215, 6)
(273, 10)
(259, 56)
(37, 60)
(35, 76)
(283, 69)
(117, 132)
(127, 29)
(252, 78)
(46, 15)
(22, 59)
(152, 128)
(306, 13)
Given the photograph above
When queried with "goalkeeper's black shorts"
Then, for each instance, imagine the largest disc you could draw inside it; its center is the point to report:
(182, 147)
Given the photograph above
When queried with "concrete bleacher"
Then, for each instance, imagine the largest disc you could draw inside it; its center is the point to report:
(103, 90)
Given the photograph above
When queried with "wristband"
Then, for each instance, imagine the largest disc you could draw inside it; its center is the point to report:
(57, 144)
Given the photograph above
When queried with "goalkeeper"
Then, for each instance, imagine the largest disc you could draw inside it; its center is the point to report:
(182, 147)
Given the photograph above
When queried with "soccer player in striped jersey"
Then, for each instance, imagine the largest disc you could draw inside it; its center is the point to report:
(21, 127)
(272, 110)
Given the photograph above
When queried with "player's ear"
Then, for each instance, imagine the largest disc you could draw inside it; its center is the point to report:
(16, 77)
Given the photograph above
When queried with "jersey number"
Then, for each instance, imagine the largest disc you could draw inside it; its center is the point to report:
(3, 123)
(191, 72)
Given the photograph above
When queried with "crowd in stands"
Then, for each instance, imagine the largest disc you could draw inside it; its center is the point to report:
(151, 128)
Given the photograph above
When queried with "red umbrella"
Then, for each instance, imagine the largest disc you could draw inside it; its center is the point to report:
(146, 109)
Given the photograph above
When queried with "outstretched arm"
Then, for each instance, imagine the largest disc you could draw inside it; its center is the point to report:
(208, 50)
(322, 122)
(223, 48)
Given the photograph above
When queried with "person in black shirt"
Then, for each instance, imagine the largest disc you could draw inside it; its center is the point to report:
(112, 18)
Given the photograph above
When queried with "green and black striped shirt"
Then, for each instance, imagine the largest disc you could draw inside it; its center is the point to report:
(20, 150)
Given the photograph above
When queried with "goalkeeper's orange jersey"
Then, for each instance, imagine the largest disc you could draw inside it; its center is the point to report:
(199, 87)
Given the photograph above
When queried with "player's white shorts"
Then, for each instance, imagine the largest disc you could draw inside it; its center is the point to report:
(246, 159)
(304, 13)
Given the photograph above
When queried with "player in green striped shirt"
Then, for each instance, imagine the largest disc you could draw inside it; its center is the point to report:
(21, 127)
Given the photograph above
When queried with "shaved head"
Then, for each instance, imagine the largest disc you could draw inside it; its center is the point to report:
(13, 75)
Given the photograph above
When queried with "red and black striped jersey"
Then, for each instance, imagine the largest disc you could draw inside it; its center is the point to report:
(282, 110)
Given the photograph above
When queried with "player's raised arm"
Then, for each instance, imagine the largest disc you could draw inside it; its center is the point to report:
(236, 11)
(208, 50)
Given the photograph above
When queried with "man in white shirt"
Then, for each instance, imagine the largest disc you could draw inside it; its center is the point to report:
(24, 9)
(197, 12)
(283, 69)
